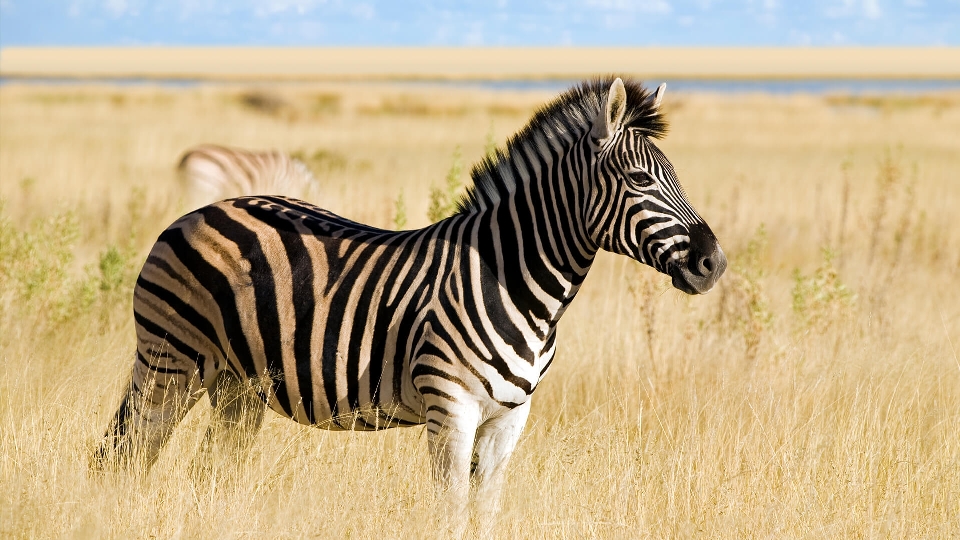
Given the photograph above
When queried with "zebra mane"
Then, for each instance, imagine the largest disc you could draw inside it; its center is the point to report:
(570, 114)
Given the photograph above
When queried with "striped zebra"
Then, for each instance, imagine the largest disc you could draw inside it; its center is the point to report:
(210, 173)
(350, 327)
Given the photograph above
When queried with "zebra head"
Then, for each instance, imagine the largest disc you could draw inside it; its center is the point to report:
(637, 206)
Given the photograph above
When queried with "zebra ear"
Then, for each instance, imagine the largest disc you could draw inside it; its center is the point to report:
(658, 96)
(612, 115)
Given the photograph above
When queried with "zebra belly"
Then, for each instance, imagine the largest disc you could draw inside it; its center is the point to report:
(325, 392)
(364, 418)
(340, 389)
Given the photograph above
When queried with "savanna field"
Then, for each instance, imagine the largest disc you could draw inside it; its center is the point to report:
(814, 393)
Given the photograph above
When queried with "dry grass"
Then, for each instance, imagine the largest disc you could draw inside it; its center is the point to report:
(812, 395)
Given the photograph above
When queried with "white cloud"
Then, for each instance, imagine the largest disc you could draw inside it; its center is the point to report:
(266, 8)
(307, 31)
(116, 8)
(622, 14)
(628, 6)
(364, 11)
(869, 9)
(189, 8)
(843, 8)
(839, 38)
(474, 35)
(768, 12)
(75, 9)
(443, 29)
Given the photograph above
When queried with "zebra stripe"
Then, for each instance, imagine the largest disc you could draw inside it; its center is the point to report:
(210, 173)
(452, 326)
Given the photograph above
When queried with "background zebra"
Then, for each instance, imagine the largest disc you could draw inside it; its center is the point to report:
(210, 173)
(452, 326)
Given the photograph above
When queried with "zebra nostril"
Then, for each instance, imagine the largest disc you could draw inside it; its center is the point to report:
(706, 265)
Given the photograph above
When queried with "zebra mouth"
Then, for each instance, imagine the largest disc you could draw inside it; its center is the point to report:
(680, 283)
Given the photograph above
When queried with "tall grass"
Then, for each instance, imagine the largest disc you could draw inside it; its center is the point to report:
(814, 393)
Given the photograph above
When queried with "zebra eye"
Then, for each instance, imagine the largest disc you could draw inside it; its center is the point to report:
(641, 178)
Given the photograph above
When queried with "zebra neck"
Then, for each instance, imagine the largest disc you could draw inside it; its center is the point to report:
(532, 238)
(529, 199)
(538, 196)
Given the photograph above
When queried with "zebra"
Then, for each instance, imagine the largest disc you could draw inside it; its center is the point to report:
(209, 173)
(350, 327)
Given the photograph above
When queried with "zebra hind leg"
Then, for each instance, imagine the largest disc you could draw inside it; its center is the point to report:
(235, 420)
(156, 400)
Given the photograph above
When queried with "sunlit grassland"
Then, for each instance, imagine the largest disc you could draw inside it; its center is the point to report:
(814, 393)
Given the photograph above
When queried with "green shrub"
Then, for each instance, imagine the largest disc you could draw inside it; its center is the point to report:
(38, 281)
(399, 212)
(34, 262)
(443, 201)
(744, 306)
(820, 299)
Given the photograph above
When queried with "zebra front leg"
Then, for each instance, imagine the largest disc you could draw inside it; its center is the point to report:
(496, 439)
(451, 436)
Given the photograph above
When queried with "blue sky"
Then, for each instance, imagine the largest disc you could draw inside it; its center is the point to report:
(491, 22)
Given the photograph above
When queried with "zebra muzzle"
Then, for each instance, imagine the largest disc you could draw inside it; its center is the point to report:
(703, 266)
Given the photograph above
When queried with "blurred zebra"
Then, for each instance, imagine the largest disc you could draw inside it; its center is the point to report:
(210, 173)
(452, 326)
